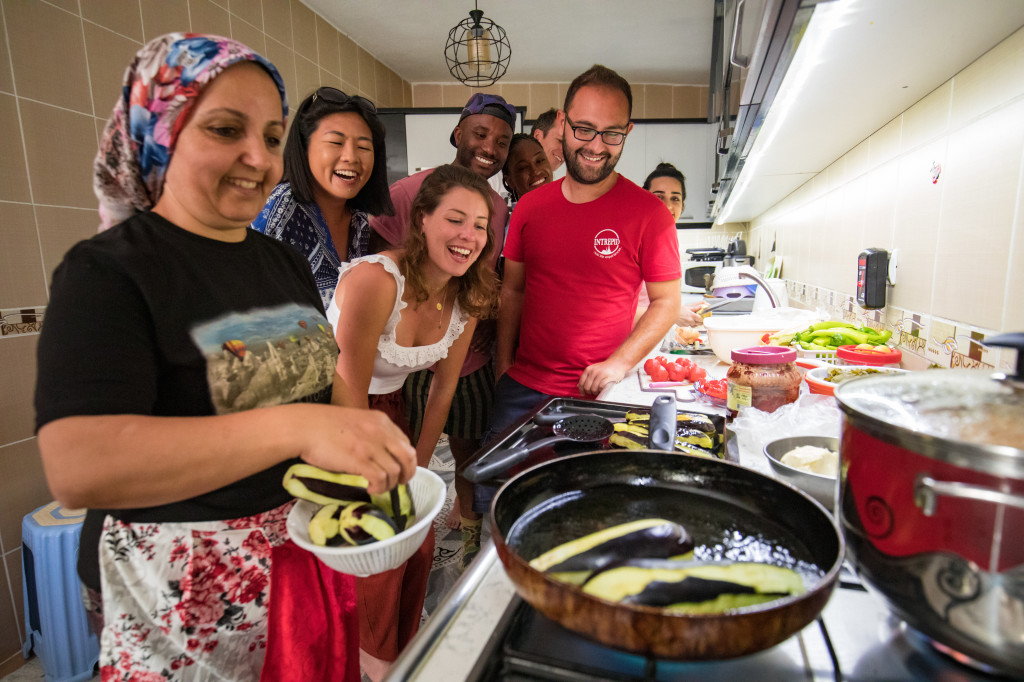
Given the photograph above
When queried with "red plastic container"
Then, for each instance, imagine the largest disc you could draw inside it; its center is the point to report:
(883, 357)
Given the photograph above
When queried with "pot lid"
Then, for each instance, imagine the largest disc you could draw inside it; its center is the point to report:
(959, 406)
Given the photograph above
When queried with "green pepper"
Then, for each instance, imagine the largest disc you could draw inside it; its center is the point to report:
(829, 324)
(781, 339)
(881, 337)
(811, 346)
(841, 336)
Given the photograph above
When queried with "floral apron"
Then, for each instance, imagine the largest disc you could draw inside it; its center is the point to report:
(187, 601)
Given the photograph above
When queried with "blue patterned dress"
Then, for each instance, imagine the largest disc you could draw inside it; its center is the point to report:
(304, 227)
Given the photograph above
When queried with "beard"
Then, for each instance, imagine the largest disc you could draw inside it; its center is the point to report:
(586, 175)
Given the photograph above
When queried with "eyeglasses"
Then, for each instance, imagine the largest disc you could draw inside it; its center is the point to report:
(336, 96)
(583, 134)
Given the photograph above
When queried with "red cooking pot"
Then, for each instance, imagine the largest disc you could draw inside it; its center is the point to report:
(932, 504)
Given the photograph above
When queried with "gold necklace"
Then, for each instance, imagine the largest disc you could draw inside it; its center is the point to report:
(440, 306)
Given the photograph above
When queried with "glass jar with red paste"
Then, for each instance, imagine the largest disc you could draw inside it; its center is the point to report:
(764, 377)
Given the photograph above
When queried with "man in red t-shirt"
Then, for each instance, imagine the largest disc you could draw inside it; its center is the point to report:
(576, 253)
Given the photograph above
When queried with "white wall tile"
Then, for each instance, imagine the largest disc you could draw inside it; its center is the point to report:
(994, 78)
(915, 230)
(981, 180)
(884, 144)
(927, 119)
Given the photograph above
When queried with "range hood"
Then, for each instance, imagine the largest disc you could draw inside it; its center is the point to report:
(752, 48)
(825, 76)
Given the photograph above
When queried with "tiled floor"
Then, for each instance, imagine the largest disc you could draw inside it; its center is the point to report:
(448, 549)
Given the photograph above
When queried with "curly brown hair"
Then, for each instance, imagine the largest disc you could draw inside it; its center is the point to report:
(477, 289)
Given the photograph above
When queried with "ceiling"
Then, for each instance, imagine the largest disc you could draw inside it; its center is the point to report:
(646, 41)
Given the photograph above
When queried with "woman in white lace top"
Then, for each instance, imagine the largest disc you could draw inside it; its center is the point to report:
(401, 311)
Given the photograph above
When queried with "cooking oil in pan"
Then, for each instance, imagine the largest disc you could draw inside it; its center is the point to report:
(721, 528)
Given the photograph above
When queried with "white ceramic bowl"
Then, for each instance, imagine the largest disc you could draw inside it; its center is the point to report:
(428, 494)
(726, 333)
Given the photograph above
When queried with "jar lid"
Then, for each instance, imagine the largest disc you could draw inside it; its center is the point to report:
(764, 355)
(877, 356)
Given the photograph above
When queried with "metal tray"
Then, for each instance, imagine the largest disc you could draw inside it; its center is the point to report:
(524, 431)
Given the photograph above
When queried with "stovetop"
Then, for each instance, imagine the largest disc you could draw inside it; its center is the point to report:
(855, 638)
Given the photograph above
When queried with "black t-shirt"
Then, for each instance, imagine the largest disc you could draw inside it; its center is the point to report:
(147, 318)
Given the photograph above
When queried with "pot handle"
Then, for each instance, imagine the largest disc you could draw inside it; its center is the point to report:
(927, 491)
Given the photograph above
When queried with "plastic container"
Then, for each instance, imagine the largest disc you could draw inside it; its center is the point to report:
(828, 356)
(817, 383)
(428, 494)
(884, 357)
(729, 332)
(763, 377)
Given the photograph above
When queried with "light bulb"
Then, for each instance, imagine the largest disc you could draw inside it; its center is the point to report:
(478, 48)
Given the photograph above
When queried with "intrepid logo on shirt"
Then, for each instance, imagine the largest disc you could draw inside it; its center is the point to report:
(606, 243)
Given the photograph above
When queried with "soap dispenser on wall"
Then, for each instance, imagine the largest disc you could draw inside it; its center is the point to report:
(872, 270)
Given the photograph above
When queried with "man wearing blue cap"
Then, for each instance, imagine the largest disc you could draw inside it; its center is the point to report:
(481, 142)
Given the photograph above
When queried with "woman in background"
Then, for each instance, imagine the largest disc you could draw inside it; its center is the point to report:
(398, 312)
(526, 166)
(180, 368)
(335, 177)
(669, 185)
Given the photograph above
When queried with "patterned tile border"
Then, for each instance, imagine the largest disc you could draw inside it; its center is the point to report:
(933, 341)
(21, 321)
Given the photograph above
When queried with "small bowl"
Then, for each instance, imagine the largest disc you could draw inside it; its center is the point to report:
(815, 378)
(707, 398)
(820, 487)
(428, 494)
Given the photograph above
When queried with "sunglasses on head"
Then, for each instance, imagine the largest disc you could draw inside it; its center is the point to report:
(336, 96)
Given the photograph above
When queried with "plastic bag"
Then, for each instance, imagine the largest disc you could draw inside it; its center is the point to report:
(810, 415)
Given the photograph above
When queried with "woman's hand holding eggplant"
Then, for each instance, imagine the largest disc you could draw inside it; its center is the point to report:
(356, 441)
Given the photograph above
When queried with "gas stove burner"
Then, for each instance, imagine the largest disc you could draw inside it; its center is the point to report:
(926, 645)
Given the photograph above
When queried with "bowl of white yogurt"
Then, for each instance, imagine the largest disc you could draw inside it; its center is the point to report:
(811, 463)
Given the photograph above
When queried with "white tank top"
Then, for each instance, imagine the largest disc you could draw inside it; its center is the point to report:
(393, 363)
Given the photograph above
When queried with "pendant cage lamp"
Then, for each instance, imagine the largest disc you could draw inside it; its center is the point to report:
(478, 50)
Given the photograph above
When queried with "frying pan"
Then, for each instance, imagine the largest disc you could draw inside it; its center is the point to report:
(731, 513)
(581, 428)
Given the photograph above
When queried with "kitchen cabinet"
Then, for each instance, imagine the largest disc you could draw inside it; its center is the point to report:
(688, 146)
(824, 76)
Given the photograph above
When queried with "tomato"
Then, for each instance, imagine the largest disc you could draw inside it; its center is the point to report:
(659, 374)
(715, 388)
(676, 373)
(662, 360)
(685, 364)
(696, 373)
(650, 365)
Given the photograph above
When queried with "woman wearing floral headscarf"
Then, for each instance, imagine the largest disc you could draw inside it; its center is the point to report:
(177, 381)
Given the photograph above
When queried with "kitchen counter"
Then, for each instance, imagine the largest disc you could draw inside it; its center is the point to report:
(855, 638)
(629, 390)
